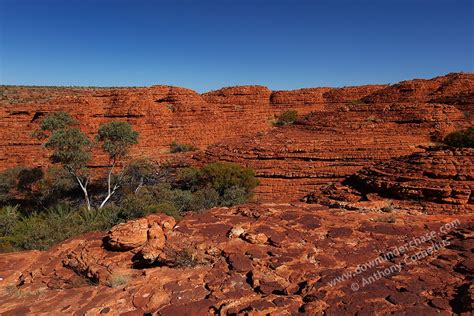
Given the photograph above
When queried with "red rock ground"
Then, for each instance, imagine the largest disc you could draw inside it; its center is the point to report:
(362, 160)
(250, 259)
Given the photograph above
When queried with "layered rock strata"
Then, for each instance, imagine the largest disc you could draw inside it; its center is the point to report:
(433, 181)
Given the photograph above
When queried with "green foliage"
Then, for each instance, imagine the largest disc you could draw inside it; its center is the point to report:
(103, 219)
(224, 175)
(138, 173)
(137, 205)
(188, 178)
(28, 177)
(166, 190)
(233, 196)
(116, 138)
(155, 199)
(182, 200)
(71, 148)
(286, 118)
(205, 198)
(8, 182)
(58, 223)
(9, 216)
(55, 184)
(356, 102)
(18, 182)
(179, 148)
(168, 209)
(117, 280)
(463, 138)
(57, 121)
(41, 231)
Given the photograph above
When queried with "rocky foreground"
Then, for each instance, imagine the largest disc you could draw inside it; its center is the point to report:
(253, 259)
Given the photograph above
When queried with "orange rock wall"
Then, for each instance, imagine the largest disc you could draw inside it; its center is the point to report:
(348, 129)
(343, 135)
(160, 113)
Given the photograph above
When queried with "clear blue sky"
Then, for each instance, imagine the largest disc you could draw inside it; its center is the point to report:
(205, 45)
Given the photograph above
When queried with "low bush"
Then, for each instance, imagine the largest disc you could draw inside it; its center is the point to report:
(286, 118)
(179, 148)
(225, 175)
(463, 138)
(41, 231)
(205, 198)
(8, 184)
(117, 280)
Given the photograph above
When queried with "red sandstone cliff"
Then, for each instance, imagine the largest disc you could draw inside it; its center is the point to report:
(340, 137)
(348, 128)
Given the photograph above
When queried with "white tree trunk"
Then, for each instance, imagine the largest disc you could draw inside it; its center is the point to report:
(84, 190)
(111, 191)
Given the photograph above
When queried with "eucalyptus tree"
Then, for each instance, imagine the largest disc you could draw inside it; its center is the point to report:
(73, 149)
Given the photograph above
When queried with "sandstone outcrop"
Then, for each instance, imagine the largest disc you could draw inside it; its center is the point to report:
(255, 259)
(151, 229)
(433, 181)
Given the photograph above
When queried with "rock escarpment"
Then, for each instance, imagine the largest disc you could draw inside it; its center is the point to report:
(341, 137)
(162, 114)
(341, 130)
(250, 259)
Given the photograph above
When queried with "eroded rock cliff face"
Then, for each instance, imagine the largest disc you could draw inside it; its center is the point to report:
(161, 114)
(341, 137)
(341, 130)
(252, 259)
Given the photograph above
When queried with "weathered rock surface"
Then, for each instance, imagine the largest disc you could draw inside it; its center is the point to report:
(433, 181)
(255, 259)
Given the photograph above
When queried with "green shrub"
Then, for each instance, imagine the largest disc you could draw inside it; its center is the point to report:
(188, 178)
(463, 138)
(40, 231)
(117, 280)
(9, 217)
(179, 148)
(168, 209)
(182, 200)
(166, 190)
(8, 184)
(137, 205)
(286, 118)
(55, 184)
(355, 102)
(137, 174)
(97, 220)
(233, 196)
(224, 175)
(28, 177)
(205, 198)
